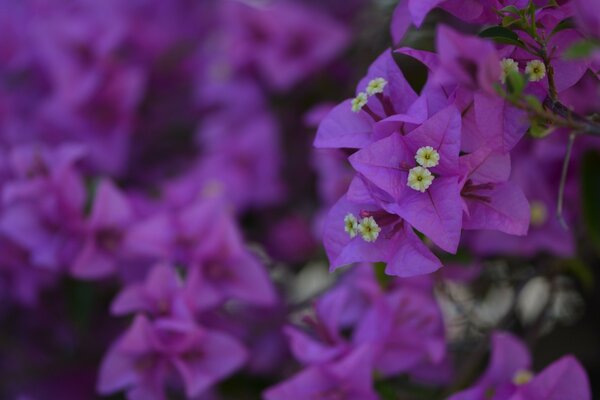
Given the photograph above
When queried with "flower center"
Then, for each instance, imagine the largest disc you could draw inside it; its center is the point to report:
(427, 157)
(420, 179)
(536, 70)
(522, 377)
(539, 213)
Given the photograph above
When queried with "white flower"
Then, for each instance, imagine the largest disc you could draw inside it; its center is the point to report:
(420, 179)
(508, 65)
(369, 230)
(536, 70)
(359, 102)
(350, 225)
(376, 86)
(427, 157)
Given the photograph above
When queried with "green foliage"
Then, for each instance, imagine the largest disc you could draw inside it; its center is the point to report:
(567, 23)
(581, 49)
(500, 34)
(382, 278)
(540, 130)
(515, 84)
(581, 271)
(590, 190)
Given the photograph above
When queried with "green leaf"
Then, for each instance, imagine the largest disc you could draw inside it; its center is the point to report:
(540, 130)
(581, 49)
(567, 23)
(383, 278)
(515, 83)
(534, 103)
(510, 10)
(582, 272)
(500, 34)
(590, 190)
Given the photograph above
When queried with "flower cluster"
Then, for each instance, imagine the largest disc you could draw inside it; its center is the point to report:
(168, 170)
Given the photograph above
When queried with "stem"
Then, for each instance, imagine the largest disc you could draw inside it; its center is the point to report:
(563, 180)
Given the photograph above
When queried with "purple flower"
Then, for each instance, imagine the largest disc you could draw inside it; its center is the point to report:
(395, 243)
(406, 329)
(467, 60)
(285, 41)
(111, 215)
(347, 379)
(537, 175)
(143, 360)
(43, 204)
(490, 200)
(164, 293)
(205, 236)
(508, 376)
(419, 171)
(344, 127)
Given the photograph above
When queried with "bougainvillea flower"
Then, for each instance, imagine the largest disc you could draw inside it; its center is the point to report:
(344, 127)
(406, 328)
(163, 293)
(509, 376)
(490, 200)
(347, 379)
(205, 235)
(396, 243)
(143, 360)
(111, 215)
(285, 41)
(323, 341)
(419, 171)
(532, 173)
(467, 60)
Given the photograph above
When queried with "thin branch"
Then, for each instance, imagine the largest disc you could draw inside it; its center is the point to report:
(563, 180)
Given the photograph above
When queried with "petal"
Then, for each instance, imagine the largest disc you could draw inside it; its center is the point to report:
(442, 132)
(111, 208)
(506, 211)
(564, 379)
(343, 128)
(437, 213)
(412, 258)
(381, 163)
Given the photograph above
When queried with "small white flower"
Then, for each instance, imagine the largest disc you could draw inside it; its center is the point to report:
(522, 377)
(536, 70)
(420, 179)
(351, 225)
(427, 157)
(369, 230)
(508, 65)
(376, 86)
(359, 102)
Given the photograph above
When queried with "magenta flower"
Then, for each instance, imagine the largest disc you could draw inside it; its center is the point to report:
(508, 376)
(467, 60)
(406, 329)
(205, 236)
(164, 293)
(351, 123)
(111, 215)
(347, 379)
(419, 171)
(145, 358)
(490, 200)
(285, 42)
(391, 239)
